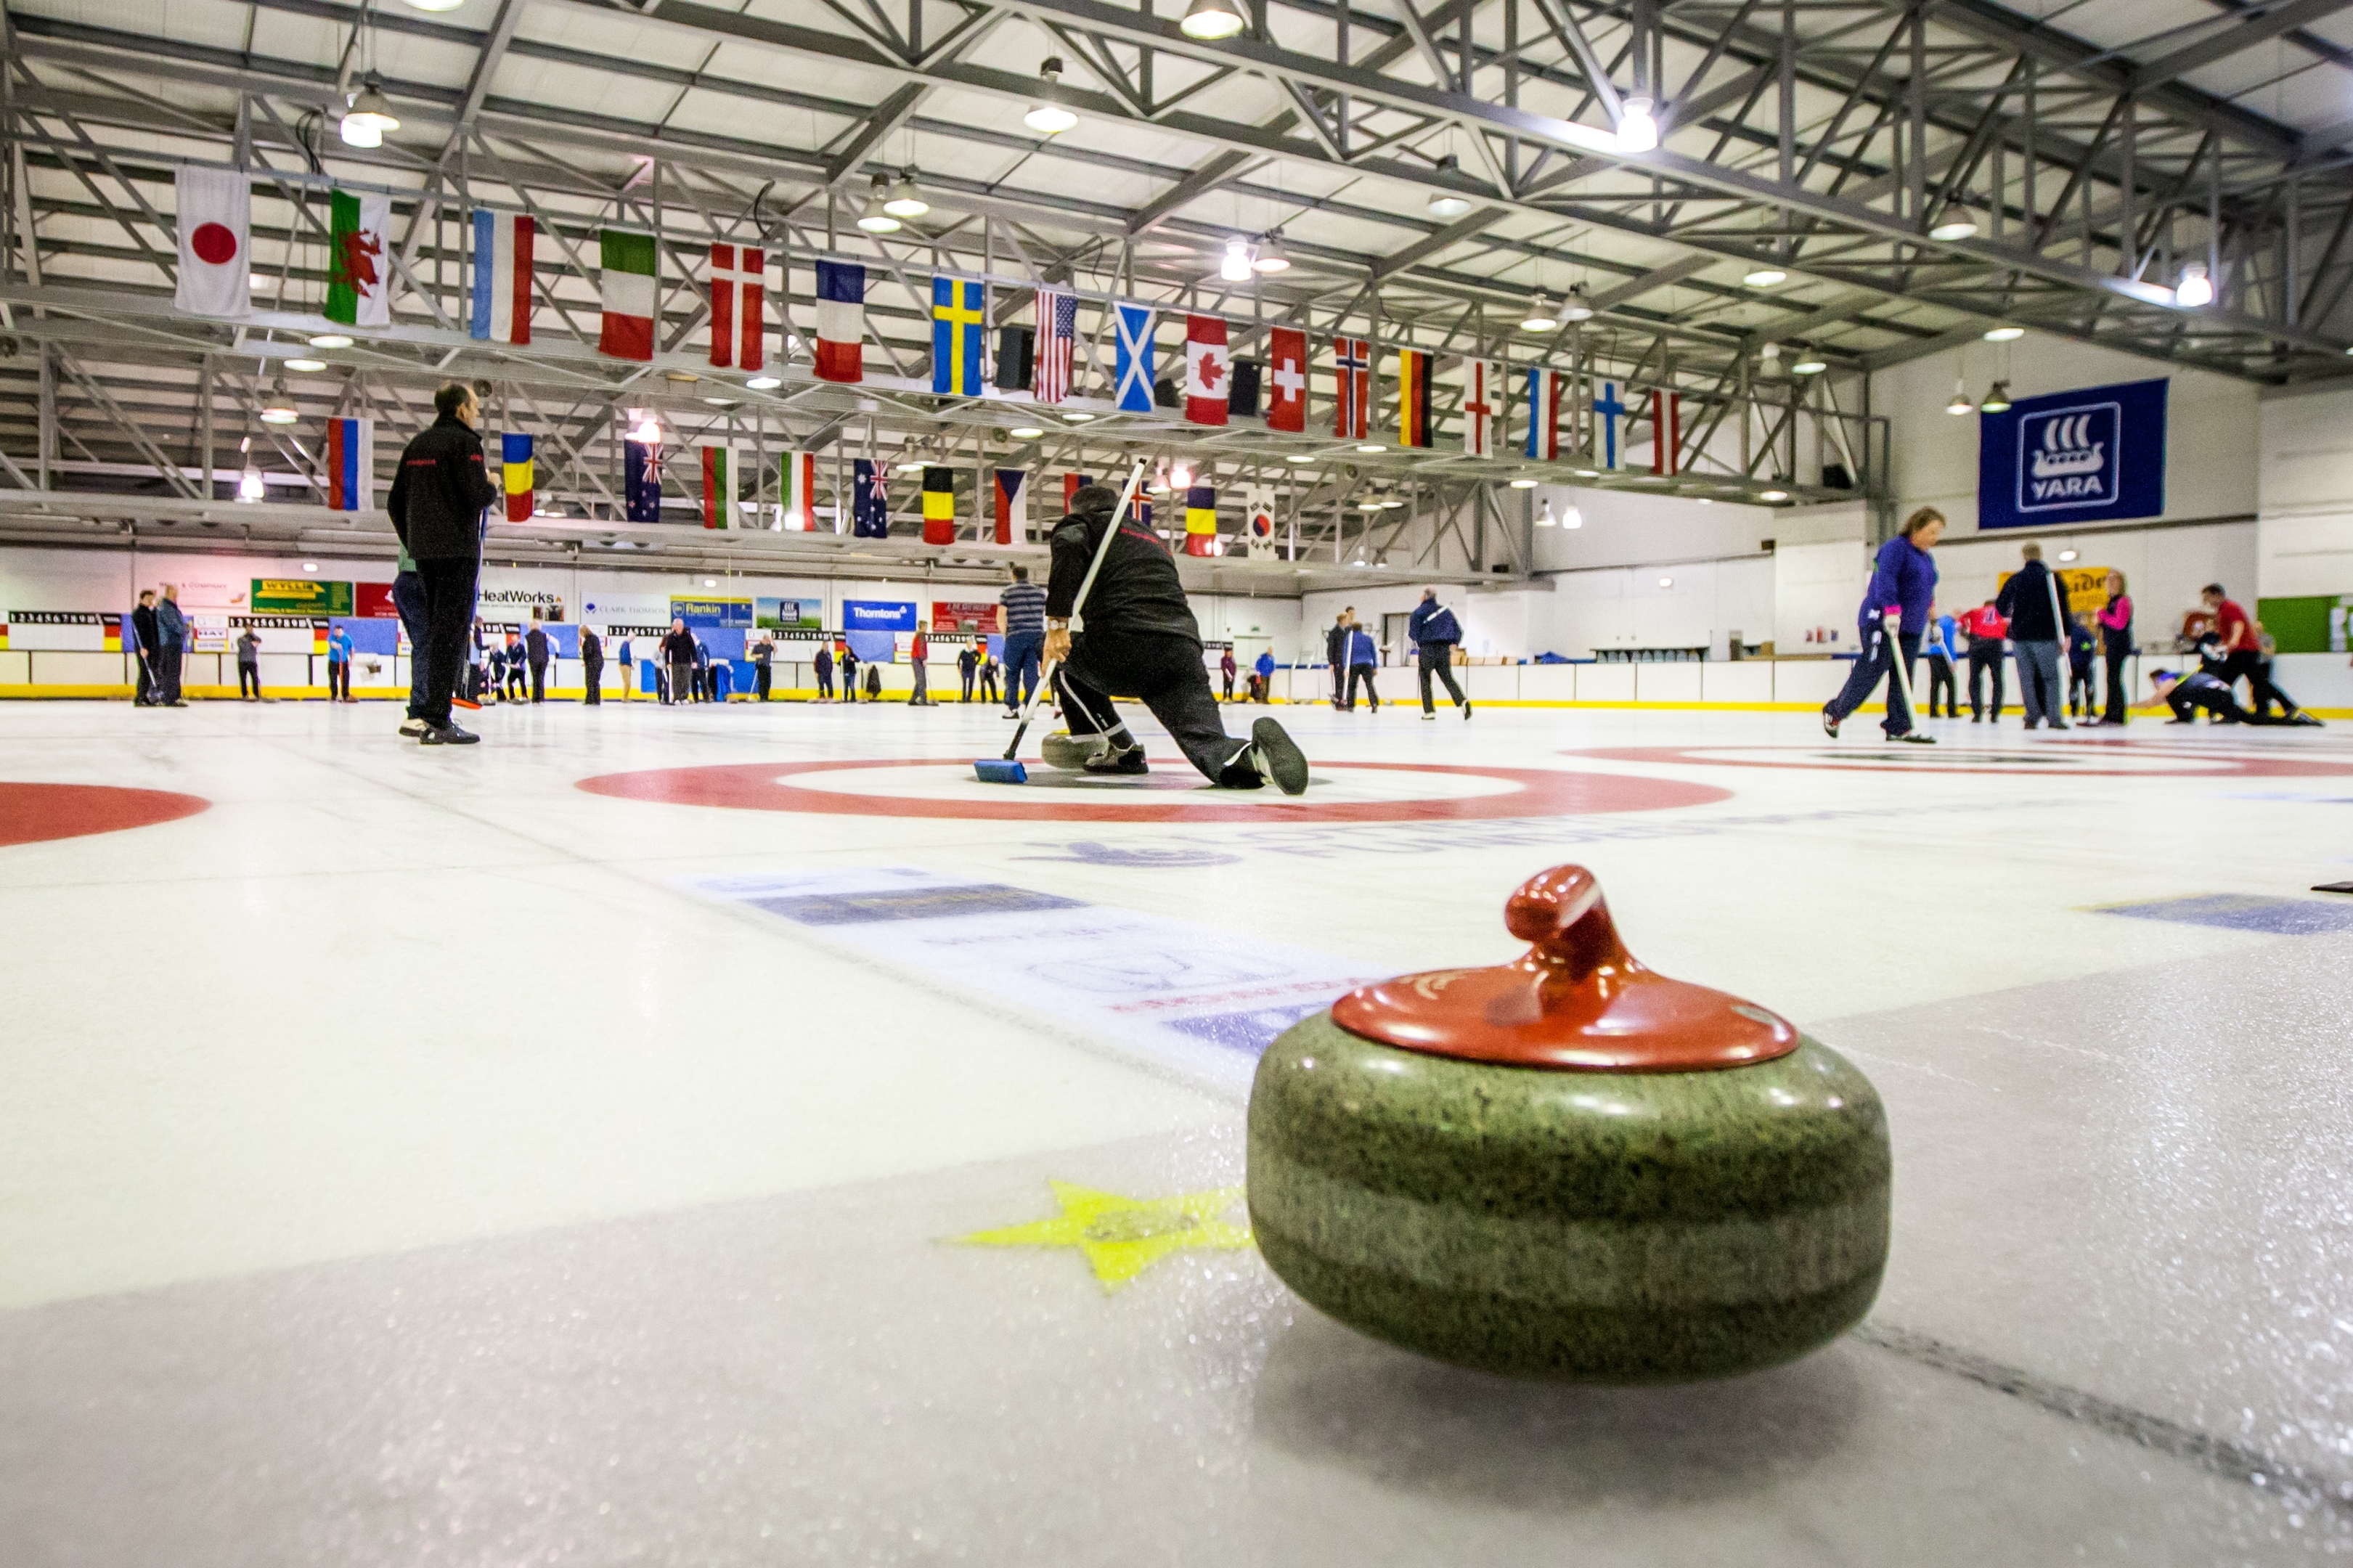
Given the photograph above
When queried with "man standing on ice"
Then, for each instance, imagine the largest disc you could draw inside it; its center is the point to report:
(1138, 634)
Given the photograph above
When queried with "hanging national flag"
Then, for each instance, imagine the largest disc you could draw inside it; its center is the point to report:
(1012, 370)
(739, 285)
(1611, 410)
(514, 456)
(956, 329)
(799, 489)
(840, 320)
(1241, 403)
(628, 280)
(1012, 506)
(1207, 370)
(359, 275)
(1058, 339)
(718, 485)
(1258, 520)
(215, 215)
(1413, 398)
(1483, 406)
(351, 464)
(869, 499)
(1133, 358)
(1139, 512)
(1201, 520)
(503, 246)
(1666, 431)
(939, 504)
(1072, 485)
(641, 477)
(1352, 362)
(1286, 358)
(1544, 415)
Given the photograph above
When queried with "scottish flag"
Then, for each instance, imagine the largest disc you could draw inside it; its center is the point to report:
(1135, 359)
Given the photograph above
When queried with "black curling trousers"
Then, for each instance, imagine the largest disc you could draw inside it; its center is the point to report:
(1168, 674)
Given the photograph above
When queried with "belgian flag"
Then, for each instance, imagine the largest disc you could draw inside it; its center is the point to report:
(1413, 398)
(939, 504)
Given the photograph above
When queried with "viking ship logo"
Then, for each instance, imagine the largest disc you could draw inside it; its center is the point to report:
(2070, 457)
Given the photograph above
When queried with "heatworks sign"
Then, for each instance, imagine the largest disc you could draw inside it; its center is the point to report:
(2073, 457)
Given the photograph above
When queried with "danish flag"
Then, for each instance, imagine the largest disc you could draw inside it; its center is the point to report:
(739, 276)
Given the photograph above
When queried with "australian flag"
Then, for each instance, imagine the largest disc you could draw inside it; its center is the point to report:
(641, 476)
(870, 506)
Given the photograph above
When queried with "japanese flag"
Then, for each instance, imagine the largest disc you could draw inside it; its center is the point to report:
(215, 224)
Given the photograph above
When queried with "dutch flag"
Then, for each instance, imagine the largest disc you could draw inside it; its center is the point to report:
(502, 262)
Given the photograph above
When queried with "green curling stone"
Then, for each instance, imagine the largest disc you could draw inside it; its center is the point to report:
(1570, 1167)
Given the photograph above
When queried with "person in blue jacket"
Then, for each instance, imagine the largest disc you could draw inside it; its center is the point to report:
(1364, 657)
(1265, 668)
(1942, 676)
(1894, 617)
(1435, 633)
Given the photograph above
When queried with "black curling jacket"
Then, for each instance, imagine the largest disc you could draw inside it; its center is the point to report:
(438, 495)
(1137, 592)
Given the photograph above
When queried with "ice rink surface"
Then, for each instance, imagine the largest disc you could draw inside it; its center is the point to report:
(782, 1151)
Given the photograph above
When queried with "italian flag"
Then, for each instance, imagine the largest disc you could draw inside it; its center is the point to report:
(718, 485)
(800, 491)
(628, 282)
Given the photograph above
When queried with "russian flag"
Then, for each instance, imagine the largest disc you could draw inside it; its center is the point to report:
(351, 464)
(502, 260)
(515, 451)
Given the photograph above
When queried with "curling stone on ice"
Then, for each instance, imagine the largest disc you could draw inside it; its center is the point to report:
(1570, 1167)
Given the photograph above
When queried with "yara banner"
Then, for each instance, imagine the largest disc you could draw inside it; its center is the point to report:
(2073, 457)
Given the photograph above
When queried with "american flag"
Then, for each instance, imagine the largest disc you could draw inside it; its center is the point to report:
(1058, 335)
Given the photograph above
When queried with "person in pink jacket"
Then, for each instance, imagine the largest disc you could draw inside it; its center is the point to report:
(2115, 645)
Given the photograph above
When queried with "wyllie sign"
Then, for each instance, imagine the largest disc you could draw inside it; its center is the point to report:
(2074, 457)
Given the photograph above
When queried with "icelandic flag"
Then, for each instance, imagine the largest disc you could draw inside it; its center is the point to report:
(642, 480)
(351, 464)
(800, 493)
(840, 320)
(958, 325)
(1207, 370)
(1201, 520)
(504, 243)
(1012, 506)
(1544, 415)
(514, 457)
(628, 287)
(1133, 361)
(870, 499)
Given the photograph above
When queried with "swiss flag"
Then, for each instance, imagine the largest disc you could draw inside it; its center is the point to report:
(1286, 403)
(1207, 370)
(216, 225)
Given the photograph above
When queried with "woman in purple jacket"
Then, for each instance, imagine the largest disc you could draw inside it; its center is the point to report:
(1903, 586)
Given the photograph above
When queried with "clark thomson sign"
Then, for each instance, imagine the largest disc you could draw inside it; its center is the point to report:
(2074, 457)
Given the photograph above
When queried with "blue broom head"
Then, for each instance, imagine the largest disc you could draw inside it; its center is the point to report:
(993, 770)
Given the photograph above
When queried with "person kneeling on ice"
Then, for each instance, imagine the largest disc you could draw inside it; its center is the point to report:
(1139, 635)
(2207, 687)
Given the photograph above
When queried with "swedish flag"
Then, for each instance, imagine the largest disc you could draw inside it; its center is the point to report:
(957, 323)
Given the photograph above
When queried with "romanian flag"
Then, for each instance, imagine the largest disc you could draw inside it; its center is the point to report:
(800, 493)
(515, 452)
(351, 464)
(1413, 398)
(1201, 520)
(718, 485)
(939, 504)
(958, 325)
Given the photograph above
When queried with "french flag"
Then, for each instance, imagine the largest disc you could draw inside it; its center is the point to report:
(351, 465)
(503, 260)
(840, 320)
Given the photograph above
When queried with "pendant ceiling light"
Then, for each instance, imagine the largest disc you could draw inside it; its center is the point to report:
(1960, 402)
(874, 216)
(1046, 117)
(1540, 317)
(1235, 267)
(1271, 257)
(1448, 204)
(1575, 309)
(277, 409)
(1997, 400)
(1545, 518)
(2004, 334)
(1636, 131)
(1953, 223)
(2196, 288)
(370, 116)
(1212, 19)
(249, 484)
(905, 200)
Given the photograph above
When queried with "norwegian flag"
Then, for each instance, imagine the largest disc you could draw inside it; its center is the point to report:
(1352, 361)
(1207, 370)
(1544, 415)
(1286, 403)
(739, 276)
(1058, 337)
(1483, 406)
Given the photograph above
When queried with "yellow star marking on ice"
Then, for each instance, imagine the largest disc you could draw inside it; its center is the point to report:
(1124, 1236)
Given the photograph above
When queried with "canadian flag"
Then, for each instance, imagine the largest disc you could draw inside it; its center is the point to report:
(1207, 370)
(739, 277)
(1286, 356)
(215, 224)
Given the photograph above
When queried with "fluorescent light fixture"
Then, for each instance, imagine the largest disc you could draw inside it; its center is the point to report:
(1078, 417)
(1540, 317)
(1235, 267)
(1636, 131)
(305, 366)
(1953, 223)
(905, 200)
(1372, 447)
(1300, 458)
(1666, 582)
(720, 401)
(711, 582)
(1271, 257)
(1025, 433)
(435, 4)
(1765, 278)
(1776, 495)
(762, 384)
(2069, 554)
(311, 566)
(908, 465)
(330, 341)
(2004, 335)
(2196, 288)
(1588, 473)
(1212, 19)
(1525, 484)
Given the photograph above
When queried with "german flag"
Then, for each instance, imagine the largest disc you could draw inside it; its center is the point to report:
(939, 504)
(1413, 398)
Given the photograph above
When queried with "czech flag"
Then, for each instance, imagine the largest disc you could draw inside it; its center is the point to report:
(351, 464)
(515, 452)
(1012, 506)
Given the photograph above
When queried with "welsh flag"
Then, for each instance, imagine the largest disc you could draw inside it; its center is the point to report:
(628, 284)
(718, 485)
(359, 277)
